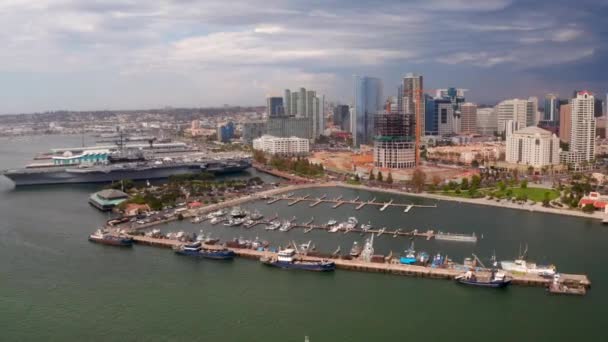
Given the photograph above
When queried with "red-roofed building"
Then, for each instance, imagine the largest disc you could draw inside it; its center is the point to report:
(598, 201)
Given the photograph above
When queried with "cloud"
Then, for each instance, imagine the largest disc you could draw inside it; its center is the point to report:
(276, 43)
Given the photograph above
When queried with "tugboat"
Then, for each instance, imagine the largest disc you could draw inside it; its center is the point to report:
(286, 259)
(355, 251)
(495, 279)
(410, 255)
(105, 238)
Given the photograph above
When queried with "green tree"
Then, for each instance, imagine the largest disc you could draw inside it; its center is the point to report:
(524, 184)
(464, 184)
(588, 208)
(357, 178)
(501, 186)
(371, 175)
(380, 177)
(389, 178)
(546, 200)
(475, 181)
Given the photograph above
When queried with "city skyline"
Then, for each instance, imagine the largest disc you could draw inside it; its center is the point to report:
(75, 55)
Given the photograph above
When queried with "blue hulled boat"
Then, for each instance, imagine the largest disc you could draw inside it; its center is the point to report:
(286, 259)
(496, 279)
(410, 255)
(196, 250)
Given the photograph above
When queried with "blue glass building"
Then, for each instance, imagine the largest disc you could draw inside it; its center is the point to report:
(367, 102)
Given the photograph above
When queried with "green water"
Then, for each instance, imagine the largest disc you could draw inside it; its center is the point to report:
(54, 285)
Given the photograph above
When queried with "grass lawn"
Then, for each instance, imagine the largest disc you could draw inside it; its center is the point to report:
(534, 194)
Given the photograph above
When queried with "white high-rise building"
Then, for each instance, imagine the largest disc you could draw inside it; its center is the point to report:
(532, 146)
(413, 91)
(291, 146)
(522, 111)
(582, 131)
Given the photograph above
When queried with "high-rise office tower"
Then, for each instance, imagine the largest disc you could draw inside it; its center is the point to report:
(302, 101)
(274, 106)
(413, 91)
(487, 121)
(295, 99)
(565, 122)
(522, 111)
(551, 108)
(342, 117)
(287, 102)
(368, 101)
(468, 118)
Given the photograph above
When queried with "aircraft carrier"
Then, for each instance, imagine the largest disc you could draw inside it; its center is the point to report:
(140, 170)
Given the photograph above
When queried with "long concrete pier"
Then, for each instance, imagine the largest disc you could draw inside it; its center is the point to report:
(391, 266)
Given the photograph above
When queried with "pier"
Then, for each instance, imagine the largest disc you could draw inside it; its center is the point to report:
(390, 266)
(339, 201)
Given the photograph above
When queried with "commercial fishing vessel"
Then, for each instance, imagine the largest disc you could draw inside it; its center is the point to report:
(105, 238)
(196, 250)
(521, 266)
(286, 259)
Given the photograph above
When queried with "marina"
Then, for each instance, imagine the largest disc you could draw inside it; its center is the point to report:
(338, 201)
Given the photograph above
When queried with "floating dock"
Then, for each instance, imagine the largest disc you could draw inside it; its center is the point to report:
(339, 201)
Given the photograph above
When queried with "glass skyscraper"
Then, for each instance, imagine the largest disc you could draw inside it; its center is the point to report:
(367, 103)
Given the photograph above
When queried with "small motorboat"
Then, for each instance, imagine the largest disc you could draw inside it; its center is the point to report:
(355, 251)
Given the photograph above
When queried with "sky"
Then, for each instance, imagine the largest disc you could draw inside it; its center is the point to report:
(134, 54)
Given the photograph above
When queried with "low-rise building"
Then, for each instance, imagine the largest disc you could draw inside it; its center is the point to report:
(107, 199)
(291, 146)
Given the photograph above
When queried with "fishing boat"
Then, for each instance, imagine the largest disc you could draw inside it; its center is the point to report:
(368, 249)
(304, 248)
(355, 251)
(274, 225)
(286, 259)
(409, 257)
(521, 266)
(237, 212)
(437, 260)
(105, 238)
(495, 279)
(422, 258)
(196, 250)
(155, 233)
